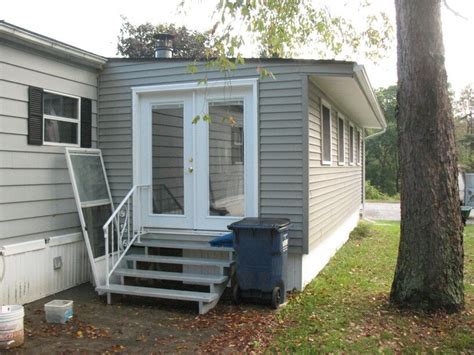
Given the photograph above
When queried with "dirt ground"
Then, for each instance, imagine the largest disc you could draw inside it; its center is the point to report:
(138, 325)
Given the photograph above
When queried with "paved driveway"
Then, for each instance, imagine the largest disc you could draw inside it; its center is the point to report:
(390, 211)
(382, 210)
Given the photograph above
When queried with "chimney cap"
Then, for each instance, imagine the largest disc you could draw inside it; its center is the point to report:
(165, 36)
(164, 45)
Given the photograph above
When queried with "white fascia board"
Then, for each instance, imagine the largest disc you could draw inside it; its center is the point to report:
(52, 46)
(364, 83)
(194, 85)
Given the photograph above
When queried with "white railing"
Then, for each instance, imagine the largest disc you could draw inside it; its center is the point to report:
(119, 233)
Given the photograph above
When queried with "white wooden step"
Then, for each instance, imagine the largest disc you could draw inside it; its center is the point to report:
(180, 245)
(159, 293)
(178, 260)
(182, 234)
(196, 279)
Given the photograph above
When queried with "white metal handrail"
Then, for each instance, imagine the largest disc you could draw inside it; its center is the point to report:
(118, 233)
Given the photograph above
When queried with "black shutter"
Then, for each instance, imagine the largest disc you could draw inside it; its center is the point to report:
(86, 123)
(35, 116)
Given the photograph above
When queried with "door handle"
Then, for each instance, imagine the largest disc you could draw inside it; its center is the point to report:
(190, 169)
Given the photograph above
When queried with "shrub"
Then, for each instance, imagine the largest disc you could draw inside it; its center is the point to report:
(362, 231)
(372, 193)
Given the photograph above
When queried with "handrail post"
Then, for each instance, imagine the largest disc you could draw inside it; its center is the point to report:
(114, 233)
(107, 267)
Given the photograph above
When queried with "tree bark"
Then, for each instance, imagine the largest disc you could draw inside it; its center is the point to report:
(429, 271)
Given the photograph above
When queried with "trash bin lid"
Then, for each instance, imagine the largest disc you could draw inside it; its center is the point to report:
(260, 223)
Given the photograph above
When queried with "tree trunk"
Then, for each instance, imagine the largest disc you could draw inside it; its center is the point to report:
(429, 272)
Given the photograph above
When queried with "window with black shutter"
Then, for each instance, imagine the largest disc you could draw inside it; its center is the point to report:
(59, 119)
(86, 123)
(35, 116)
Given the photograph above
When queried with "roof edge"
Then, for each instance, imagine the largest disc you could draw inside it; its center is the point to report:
(364, 82)
(50, 45)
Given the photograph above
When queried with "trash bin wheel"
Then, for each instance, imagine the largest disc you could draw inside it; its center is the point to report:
(236, 297)
(276, 297)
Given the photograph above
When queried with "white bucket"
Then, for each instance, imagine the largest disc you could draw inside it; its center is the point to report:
(11, 326)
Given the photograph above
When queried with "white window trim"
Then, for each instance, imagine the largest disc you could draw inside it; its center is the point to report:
(64, 119)
(343, 162)
(328, 106)
(351, 161)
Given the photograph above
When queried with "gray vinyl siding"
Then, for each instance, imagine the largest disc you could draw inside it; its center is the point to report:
(335, 190)
(280, 117)
(36, 195)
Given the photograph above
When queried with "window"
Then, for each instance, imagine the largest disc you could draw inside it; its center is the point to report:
(61, 118)
(340, 142)
(358, 147)
(351, 145)
(326, 134)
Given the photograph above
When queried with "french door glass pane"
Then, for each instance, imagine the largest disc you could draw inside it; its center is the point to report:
(226, 159)
(168, 155)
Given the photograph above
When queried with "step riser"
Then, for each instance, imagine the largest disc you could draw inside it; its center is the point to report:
(172, 276)
(181, 245)
(184, 235)
(159, 293)
(157, 259)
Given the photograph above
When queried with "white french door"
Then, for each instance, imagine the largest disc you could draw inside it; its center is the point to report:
(201, 175)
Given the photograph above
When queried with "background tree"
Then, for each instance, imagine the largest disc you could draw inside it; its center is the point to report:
(381, 152)
(429, 271)
(140, 41)
(464, 124)
(281, 28)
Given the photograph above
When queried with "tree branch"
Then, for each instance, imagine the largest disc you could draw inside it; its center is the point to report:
(445, 2)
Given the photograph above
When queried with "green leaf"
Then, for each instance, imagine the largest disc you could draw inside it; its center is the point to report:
(196, 119)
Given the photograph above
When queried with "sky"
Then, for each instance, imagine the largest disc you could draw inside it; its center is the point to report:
(94, 25)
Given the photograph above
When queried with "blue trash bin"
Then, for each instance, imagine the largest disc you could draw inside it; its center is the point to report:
(226, 240)
(261, 245)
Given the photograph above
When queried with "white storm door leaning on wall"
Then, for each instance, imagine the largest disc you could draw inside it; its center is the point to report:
(201, 175)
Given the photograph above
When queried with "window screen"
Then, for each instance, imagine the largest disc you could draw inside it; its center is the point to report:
(340, 143)
(326, 134)
(90, 179)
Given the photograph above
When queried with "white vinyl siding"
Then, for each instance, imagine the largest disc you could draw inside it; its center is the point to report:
(36, 195)
(334, 191)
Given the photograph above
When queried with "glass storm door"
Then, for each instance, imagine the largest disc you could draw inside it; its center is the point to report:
(201, 175)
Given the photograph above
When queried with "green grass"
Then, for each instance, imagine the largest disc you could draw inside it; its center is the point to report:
(345, 309)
